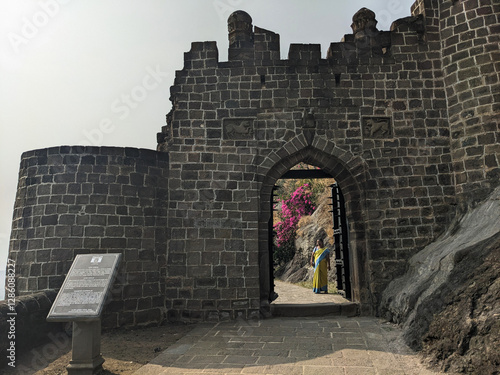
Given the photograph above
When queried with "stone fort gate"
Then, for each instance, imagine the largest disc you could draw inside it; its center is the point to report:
(404, 120)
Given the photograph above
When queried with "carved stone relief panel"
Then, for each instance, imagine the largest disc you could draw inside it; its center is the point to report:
(238, 128)
(376, 127)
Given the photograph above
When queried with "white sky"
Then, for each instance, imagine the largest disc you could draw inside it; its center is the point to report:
(66, 66)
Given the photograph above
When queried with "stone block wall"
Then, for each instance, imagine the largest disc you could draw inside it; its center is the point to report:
(380, 123)
(470, 35)
(74, 200)
(404, 120)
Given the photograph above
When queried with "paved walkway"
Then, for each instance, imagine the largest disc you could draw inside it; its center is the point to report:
(330, 345)
(296, 301)
(290, 293)
(289, 346)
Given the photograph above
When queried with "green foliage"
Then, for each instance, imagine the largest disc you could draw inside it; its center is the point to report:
(284, 253)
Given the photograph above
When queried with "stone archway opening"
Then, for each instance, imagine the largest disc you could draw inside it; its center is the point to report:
(329, 165)
(330, 224)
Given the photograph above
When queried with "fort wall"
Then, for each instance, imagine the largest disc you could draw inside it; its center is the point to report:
(76, 200)
(470, 37)
(380, 125)
(405, 120)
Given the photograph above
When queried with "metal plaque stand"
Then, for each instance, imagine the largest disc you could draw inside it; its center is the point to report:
(81, 300)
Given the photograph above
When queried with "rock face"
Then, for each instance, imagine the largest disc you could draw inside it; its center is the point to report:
(449, 300)
(464, 337)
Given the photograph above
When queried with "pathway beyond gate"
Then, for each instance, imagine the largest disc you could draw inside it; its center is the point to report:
(296, 301)
(333, 345)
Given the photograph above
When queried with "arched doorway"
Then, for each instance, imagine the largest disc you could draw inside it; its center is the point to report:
(339, 226)
(348, 171)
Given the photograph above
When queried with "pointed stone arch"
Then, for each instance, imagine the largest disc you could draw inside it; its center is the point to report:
(349, 171)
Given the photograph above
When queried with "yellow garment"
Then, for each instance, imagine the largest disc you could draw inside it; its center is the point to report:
(320, 279)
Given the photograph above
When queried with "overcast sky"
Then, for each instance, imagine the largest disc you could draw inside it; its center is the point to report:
(68, 67)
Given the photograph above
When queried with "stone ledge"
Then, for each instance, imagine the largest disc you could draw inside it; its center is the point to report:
(31, 328)
(314, 309)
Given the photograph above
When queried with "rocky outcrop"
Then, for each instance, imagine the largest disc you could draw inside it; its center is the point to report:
(448, 302)
(465, 336)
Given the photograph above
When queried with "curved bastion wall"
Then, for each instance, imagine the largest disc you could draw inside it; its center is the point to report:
(76, 200)
(470, 37)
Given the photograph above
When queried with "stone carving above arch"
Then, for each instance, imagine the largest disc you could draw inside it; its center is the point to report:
(238, 128)
(377, 127)
(308, 125)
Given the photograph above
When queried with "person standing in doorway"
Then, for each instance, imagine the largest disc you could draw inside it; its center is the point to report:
(320, 260)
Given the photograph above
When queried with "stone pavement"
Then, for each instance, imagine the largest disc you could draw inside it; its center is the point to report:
(290, 293)
(290, 346)
(295, 301)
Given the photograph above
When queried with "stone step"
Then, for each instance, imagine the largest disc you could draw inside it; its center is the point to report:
(314, 309)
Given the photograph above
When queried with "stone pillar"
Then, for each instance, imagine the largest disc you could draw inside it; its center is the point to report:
(86, 358)
(364, 28)
(364, 23)
(241, 36)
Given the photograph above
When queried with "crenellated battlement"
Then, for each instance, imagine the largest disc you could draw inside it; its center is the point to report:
(201, 55)
(248, 43)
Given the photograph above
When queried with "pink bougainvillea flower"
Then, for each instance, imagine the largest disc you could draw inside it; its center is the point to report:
(299, 204)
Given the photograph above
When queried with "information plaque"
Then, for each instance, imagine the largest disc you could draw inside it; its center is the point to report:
(85, 288)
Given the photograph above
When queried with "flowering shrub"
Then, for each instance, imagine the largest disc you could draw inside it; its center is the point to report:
(292, 209)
